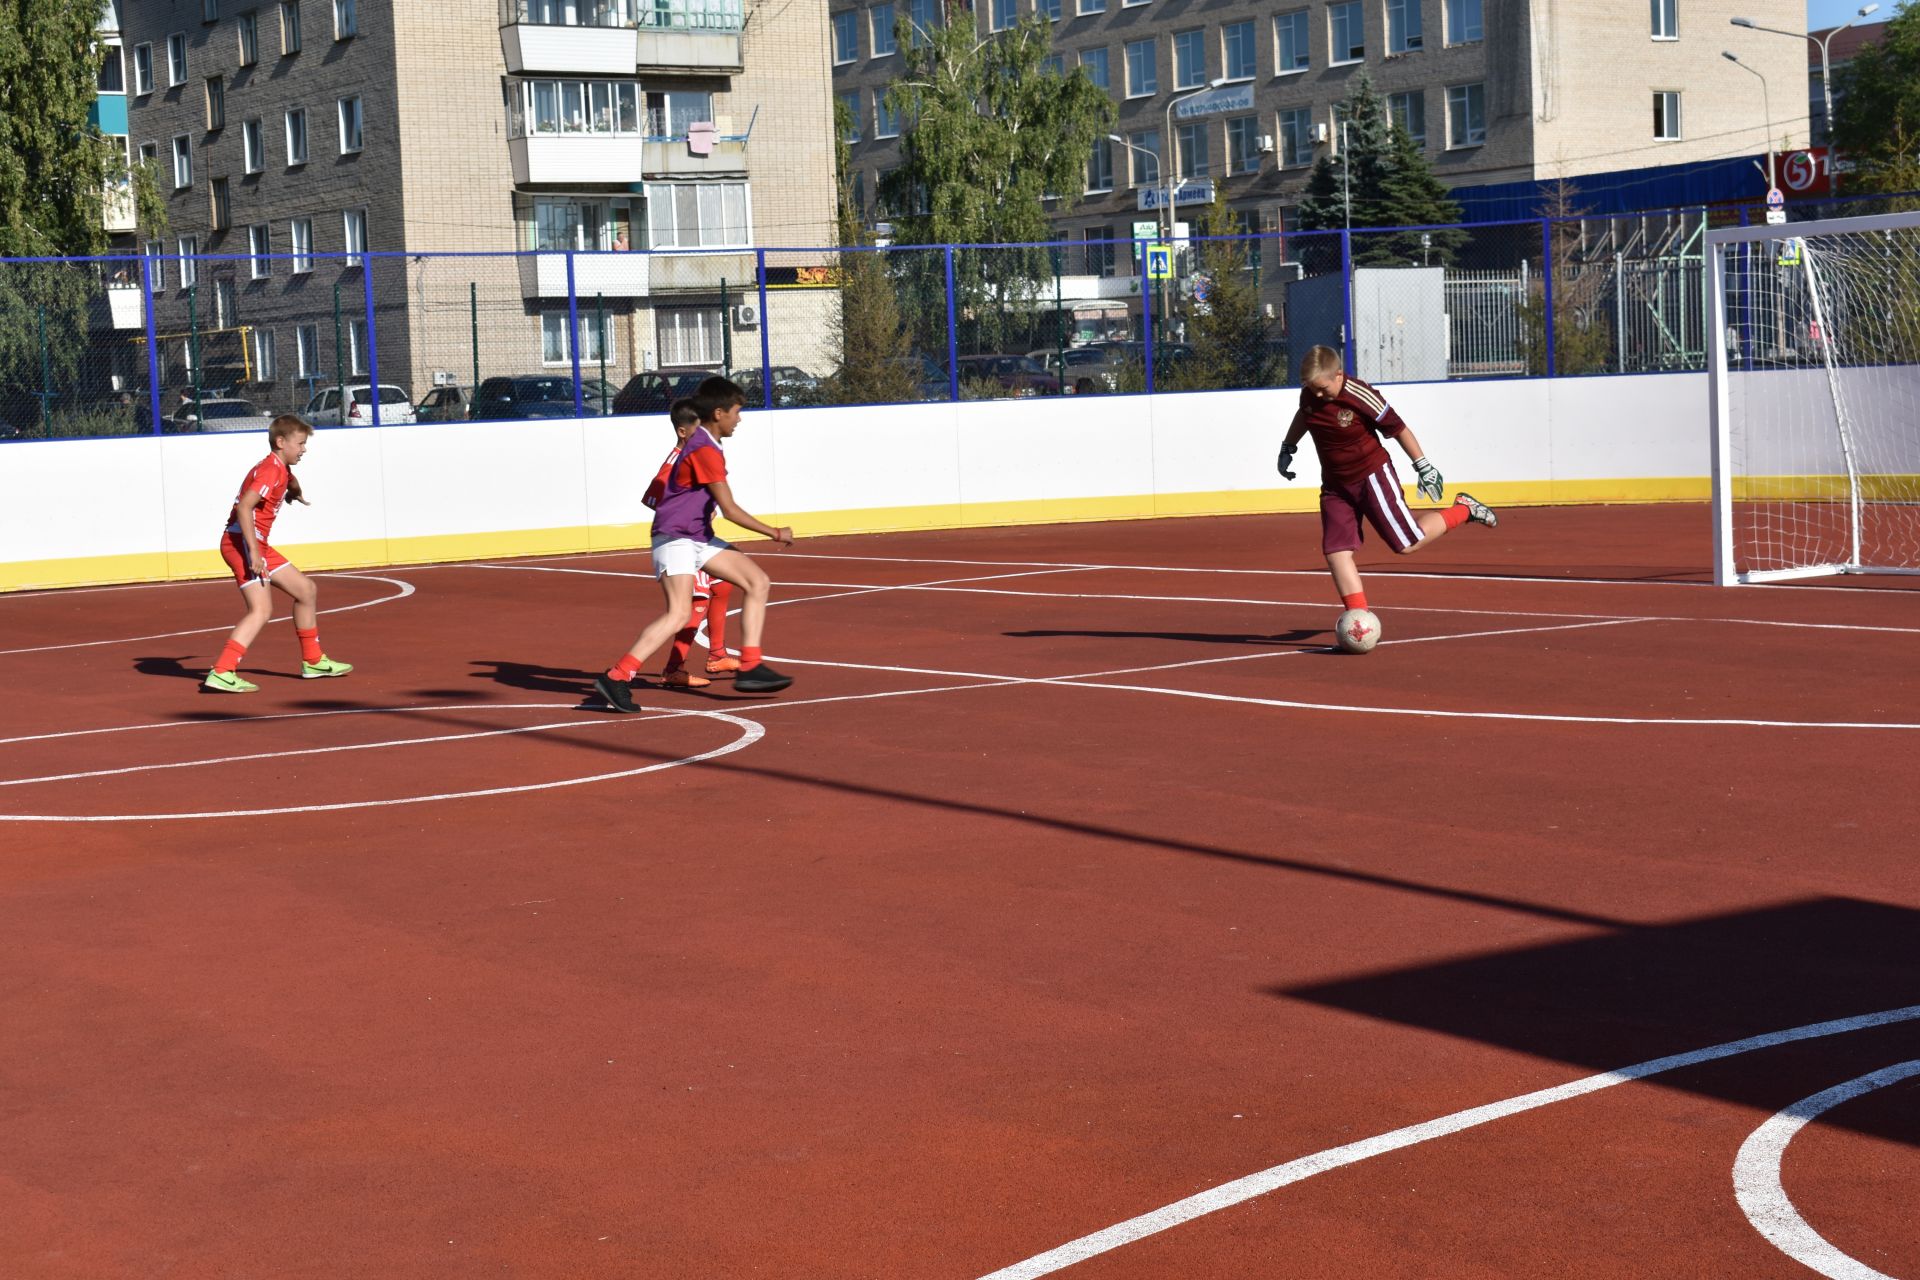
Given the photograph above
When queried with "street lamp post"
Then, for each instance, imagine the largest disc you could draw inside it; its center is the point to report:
(1167, 183)
(1826, 70)
(1162, 219)
(1766, 104)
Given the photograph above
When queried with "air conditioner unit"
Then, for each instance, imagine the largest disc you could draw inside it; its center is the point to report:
(747, 315)
(1266, 144)
(1320, 131)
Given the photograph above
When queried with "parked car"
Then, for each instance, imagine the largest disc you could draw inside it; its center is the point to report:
(396, 406)
(539, 395)
(656, 389)
(791, 385)
(1016, 375)
(444, 404)
(224, 414)
(1082, 371)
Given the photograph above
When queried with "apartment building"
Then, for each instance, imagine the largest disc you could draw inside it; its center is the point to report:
(320, 157)
(1247, 96)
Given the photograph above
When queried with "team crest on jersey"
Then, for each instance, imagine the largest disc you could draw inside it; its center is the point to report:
(1346, 417)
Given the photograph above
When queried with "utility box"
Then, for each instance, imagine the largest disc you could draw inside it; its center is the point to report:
(1399, 321)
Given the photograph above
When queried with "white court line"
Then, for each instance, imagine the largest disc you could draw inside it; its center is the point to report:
(1763, 1197)
(406, 589)
(1280, 1175)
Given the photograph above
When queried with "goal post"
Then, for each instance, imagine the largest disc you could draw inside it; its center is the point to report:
(1813, 380)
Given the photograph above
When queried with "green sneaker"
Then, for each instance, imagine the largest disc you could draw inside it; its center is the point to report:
(227, 682)
(325, 667)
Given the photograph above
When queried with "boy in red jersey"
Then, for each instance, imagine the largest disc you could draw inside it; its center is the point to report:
(691, 486)
(256, 565)
(1345, 417)
(711, 595)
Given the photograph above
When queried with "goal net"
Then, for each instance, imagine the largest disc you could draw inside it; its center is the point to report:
(1814, 386)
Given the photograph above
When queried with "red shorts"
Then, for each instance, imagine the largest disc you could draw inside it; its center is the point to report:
(1376, 495)
(233, 549)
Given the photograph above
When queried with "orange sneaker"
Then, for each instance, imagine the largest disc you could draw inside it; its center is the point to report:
(722, 665)
(683, 680)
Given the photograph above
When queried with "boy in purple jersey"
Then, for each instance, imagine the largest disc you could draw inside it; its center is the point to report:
(691, 485)
(1345, 417)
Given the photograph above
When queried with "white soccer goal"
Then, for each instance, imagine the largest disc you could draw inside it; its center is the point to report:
(1814, 385)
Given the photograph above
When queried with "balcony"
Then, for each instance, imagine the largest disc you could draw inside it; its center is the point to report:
(535, 47)
(116, 207)
(702, 272)
(576, 158)
(695, 149)
(690, 35)
(611, 275)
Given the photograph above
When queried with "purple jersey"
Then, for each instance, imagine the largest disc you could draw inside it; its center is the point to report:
(684, 506)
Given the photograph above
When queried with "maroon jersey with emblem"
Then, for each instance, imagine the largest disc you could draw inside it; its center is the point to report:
(1343, 430)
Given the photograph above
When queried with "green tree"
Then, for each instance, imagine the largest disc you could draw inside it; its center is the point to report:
(1414, 196)
(1876, 122)
(1583, 339)
(53, 173)
(876, 365)
(1225, 328)
(992, 136)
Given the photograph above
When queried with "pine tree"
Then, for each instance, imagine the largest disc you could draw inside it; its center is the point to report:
(876, 365)
(1415, 197)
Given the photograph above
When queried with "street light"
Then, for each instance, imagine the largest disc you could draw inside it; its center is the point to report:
(1826, 71)
(1166, 178)
(1766, 104)
(1114, 137)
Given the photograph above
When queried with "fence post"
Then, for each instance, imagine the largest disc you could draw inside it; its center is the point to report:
(473, 322)
(766, 342)
(726, 332)
(1619, 313)
(339, 355)
(600, 336)
(1546, 287)
(573, 338)
(1347, 345)
(193, 338)
(1146, 312)
(153, 341)
(373, 340)
(953, 336)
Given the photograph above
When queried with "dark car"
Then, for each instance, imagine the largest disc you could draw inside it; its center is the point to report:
(538, 395)
(656, 389)
(791, 386)
(1015, 375)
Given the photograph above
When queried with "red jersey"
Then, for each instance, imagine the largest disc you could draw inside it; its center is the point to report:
(1345, 430)
(268, 479)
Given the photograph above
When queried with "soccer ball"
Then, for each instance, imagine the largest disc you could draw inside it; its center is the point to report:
(1357, 631)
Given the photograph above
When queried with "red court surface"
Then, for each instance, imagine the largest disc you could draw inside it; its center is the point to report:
(1075, 912)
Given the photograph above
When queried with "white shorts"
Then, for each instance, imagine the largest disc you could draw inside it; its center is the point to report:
(681, 557)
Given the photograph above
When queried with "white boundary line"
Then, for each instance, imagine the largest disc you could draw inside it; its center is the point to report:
(1763, 1197)
(1258, 1184)
(406, 589)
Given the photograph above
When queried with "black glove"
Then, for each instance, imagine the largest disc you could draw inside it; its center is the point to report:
(1286, 461)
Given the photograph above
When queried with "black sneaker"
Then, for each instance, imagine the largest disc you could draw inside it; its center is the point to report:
(1478, 511)
(761, 679)
(615, 693)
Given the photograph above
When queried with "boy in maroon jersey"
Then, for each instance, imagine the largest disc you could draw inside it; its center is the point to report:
(1345, 417)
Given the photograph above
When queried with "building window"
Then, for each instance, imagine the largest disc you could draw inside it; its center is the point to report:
(595, 337)
(249, 36)
(182, 162)
(925, 17)
(881, 21)
(1094, 63)
(1086, 8)
(1142, 77)
(1054, 64)
(346, 22)
(224, 299)
(1463, 22)
(1048, 9)
(1296, 137)
(1290, 42)
(1466, 115)
(688, 335)
(671, 115)
(1243, 147)
(259, 245)
(1666, 23)
(189, 261)
(353, 225)
(300, 238)
(886, 121)
(142, 69)
(1191, 140)
(296, 136)
(699, 215)
(176, 59)
(610, 107)
(1403, 26)
(1100, 167)
(851, 100)
(263, 361)
(219, 205)
(209, 10)
(350, 121)
(1666, 116)
(1409, 113)
(1100, 250)
(1189, 59)
(564, 222)
(253, 145)
(1237, 53)
(1003, 14)
(1346, 32)
(156, 266)
(289, 27)
(357, 347)
(306, 350)
(846, 37)
(113, 72)
(216, 103)
(1144, 157)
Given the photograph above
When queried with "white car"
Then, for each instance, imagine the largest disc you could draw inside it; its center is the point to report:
(220, 414)
(396, 406)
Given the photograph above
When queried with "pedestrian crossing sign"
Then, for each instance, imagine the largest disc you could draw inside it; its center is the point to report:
(1159, 262)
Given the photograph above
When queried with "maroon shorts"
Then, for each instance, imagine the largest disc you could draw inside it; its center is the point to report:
(1376, 495)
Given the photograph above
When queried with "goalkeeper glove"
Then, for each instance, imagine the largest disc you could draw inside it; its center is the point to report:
(1430, 481)
(1286, 461)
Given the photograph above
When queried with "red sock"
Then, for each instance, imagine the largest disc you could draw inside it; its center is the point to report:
(1358, 600)
(230, 656)
(624, 670)
(749, 657)
(717, 619)
(309, 644)
(1456, 515)
(683, 642)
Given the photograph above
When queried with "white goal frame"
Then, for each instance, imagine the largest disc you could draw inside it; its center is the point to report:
(1720, 399)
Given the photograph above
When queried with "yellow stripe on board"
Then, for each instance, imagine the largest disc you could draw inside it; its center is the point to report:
(162, 566)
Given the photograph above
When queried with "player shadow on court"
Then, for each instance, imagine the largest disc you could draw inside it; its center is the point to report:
(1639, 992)
(1297, 639)
(178, 668)
(534, 678)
